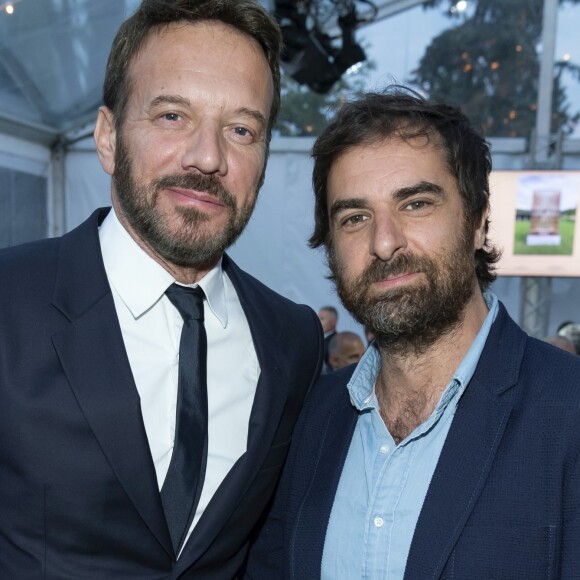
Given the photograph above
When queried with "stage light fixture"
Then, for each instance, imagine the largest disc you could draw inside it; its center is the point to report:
(311, 56)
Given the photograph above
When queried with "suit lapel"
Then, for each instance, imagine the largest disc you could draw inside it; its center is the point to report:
(321, 476)
(93, 357)
(469, 450)
(273, 386)
(271, 396)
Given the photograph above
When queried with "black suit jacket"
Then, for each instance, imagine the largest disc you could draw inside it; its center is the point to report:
(78, 492)
(504, 500)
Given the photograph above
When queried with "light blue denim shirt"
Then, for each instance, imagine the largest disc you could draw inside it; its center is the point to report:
(383, 485)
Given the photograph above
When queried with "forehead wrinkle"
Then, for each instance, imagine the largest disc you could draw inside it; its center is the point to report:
(170, 99)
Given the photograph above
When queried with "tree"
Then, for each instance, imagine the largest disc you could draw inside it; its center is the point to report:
(306, 113)
(488, 64)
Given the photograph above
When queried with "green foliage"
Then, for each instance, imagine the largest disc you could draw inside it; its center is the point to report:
(305, 113)
(488, 64)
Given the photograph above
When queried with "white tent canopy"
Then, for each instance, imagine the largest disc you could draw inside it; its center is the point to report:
(52, 61)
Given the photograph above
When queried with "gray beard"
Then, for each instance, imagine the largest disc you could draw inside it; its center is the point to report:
(410, 319)
(187, 248)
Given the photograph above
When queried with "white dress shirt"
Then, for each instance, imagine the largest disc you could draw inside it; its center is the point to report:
(151, 328)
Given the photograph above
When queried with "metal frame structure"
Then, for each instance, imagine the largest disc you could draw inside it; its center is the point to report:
(536, 292)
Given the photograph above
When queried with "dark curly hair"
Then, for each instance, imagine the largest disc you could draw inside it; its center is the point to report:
(403, 113)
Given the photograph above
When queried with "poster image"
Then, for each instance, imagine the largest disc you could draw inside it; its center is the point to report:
(546, 208)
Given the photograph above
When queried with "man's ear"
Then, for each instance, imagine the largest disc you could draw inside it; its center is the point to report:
(106, 139)
(479, 234)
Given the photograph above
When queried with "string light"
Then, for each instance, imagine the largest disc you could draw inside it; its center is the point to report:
(8, 7)
(460, 7)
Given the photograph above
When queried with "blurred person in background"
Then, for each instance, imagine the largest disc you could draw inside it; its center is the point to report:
(345, 348)
(328, 316)
(571, 331)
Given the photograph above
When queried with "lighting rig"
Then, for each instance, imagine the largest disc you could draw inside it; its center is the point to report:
(319, 38)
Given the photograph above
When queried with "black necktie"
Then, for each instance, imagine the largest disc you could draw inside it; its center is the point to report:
(182, 486)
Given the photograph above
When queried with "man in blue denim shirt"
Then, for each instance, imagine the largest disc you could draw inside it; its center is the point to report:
(451, 450)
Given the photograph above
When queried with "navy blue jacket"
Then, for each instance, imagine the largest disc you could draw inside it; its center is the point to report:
(78, 491)
(504, 501)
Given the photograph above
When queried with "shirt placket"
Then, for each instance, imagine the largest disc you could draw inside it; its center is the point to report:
(387, 480)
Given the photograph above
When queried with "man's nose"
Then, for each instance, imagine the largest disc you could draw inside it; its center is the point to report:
(206, 149)
(388, 237)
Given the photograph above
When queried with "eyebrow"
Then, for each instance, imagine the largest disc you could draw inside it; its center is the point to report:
(349, 203)
(398, 195)
(422, 187)
(254, 114)
(169, 99)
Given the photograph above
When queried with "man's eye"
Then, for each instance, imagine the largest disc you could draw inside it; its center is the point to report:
(243, 134)
(171, 117)
(416, 205)
(354, 220)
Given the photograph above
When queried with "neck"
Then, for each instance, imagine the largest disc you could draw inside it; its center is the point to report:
(410, 383)
(182, 274)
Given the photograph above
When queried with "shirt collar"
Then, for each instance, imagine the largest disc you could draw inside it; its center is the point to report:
(140, 281)
(468, 365)
(361, 386)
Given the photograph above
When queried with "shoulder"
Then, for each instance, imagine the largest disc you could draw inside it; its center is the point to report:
(15, 255)
(31, 272)
(259, 289)
(541, 382)
(298, 317)
(328, 396)
(556, 372)
(333, 386)
(546, 391)
(510, 350)
(29, 263)
(327, 409)
(543, 370)
(548, 402)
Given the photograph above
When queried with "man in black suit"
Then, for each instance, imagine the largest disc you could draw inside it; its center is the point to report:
(93, 360)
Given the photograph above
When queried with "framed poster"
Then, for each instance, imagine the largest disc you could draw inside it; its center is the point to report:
(534, 222)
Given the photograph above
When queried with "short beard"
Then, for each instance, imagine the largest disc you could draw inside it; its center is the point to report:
(187, 247)
(410, 319)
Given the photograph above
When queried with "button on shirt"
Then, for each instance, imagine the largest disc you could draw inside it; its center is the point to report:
(383, 485)
(151, 328)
